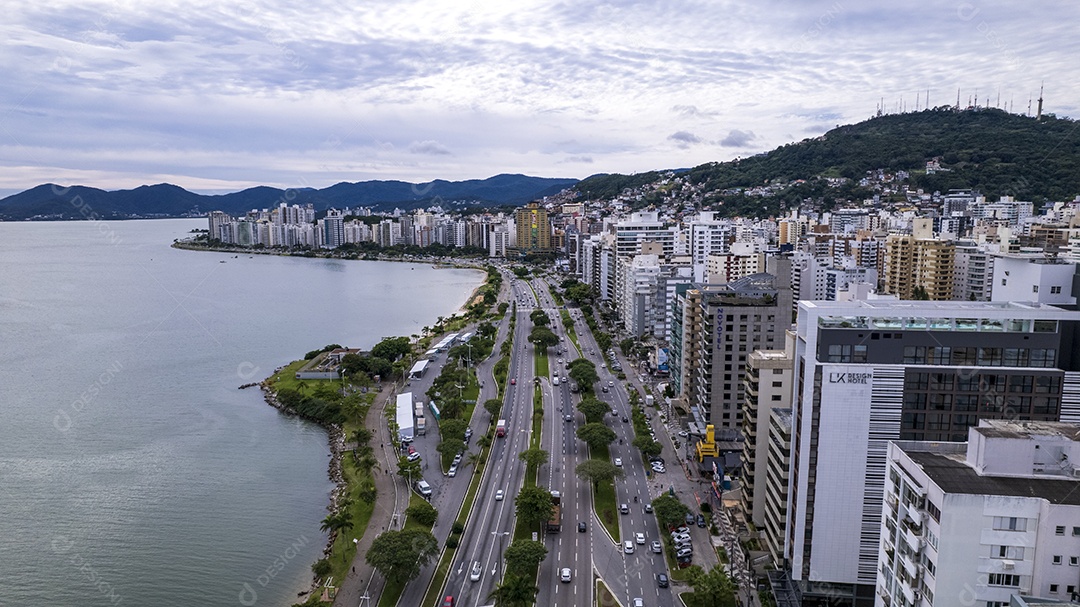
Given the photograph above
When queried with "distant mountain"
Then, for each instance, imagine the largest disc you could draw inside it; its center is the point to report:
(989, 150)
(51, 201)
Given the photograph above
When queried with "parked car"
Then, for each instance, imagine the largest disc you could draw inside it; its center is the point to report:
(413, 456)
(689, 518)
(684, 552)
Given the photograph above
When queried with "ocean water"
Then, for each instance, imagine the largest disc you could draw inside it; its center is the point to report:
(132, 469)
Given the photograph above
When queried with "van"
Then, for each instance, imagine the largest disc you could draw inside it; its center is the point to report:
(424, 488)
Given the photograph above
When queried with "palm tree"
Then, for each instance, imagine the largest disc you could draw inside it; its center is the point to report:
(339, 521)
(514, 591)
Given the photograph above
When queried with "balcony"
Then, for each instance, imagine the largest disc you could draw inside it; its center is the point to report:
(913, 539)
(910, 566)
(907, 591)
(915, 516)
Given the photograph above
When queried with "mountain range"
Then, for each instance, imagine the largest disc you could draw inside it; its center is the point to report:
(986, 149)
(50, 201)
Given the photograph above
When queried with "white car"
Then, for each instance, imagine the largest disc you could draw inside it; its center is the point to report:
(564, 574)
(618, 461)
(474, 575)
(499, 495)
(611, 384)
(656, 547)
(413, 456)
(639, 602)
(639, 538)
(684, 433)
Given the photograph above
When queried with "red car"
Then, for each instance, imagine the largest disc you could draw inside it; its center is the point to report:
(448, 602)
(513, 382)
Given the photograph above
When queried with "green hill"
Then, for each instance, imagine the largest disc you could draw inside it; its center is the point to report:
(989, 150)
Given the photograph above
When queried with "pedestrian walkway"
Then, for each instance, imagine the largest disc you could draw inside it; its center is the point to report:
(363, 581)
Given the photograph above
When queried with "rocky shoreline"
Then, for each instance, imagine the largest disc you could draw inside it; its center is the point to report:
(336, 440)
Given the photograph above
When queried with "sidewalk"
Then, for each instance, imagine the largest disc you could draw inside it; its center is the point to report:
(362, 580)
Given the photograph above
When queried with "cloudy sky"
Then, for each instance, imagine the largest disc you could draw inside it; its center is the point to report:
(218, 96)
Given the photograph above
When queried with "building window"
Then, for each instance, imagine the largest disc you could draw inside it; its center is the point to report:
(1010, 523)
(933, 511)
(777, 397)
(1034, 288)
(1055, 290)
(1004, 579)
(1053, 588)
(1015, 553)
(1076, 531)
(1074, 561)
(1059, 530)
(1070, 589)
(1057, 559)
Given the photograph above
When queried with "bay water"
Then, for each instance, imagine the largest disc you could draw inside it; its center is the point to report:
(133, 471)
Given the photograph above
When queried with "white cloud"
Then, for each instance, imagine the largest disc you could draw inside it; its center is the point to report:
(220, 94)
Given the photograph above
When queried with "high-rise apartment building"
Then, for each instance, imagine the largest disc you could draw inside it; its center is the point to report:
(975, 523)
(867, 372)
(918, 265)
(533, 229)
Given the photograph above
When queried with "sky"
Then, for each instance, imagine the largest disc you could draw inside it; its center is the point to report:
(220, 96)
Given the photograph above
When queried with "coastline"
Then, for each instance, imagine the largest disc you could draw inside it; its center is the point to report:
(436, 263)
(335, 434)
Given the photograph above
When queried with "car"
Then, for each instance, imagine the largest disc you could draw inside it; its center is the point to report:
(625, 419)
(682, 553)
(568, 417)
(560, 361)
(604, 389)
(659, 469)
(628, 547)
(624, 509)
(413, 456)
(662, 580)
(656, 547)
(686, 545)
(683, 433)
(611, 383)
(564, 574)
(639, 538)
(700, 520)
(474, 575)
(656, 458)
(681, 529)
(615, 412)
(689, 519)
(499, 495)
(618, 461)
(638, 602)
(513, 381)
(581, 527)
(452, 472)
(648, 507)
(680, 537)
(448, 601)
(457, 459)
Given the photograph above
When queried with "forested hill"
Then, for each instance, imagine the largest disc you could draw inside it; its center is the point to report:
(50, 201)
(986, 149)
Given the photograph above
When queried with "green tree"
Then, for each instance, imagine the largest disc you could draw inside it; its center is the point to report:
(596, 435)
(410, 470)
(603, 341)
(534, 504)
(543, 338)
(523, 556)
(401, 554)
(362, 436)
(712, 587)
(423, 513)
(493, 406)
(596, 470)
(376, 365)
(338, 521)
(514, 591)
(647, 445)
(391, 348)
(626, 346)
(670, 512)
(584, 375)
(453, 429)
(352, 364)
(593, 409)
(534, 457)
(540, 318)
(451, 447)
(367, 492)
